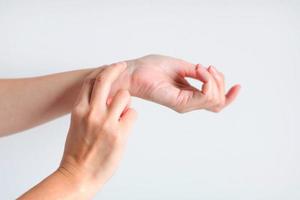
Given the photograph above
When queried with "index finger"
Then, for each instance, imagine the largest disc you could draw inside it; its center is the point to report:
(103, 84)
(86, 88)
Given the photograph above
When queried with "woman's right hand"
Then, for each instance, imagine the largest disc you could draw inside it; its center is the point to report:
(98, 131)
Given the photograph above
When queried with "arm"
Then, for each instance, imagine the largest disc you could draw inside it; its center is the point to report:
(98, 132)
(58, 186)
(25, 103)
(28, 102)
(95, 142)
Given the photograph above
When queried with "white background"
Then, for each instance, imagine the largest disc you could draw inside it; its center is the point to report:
(248, 151)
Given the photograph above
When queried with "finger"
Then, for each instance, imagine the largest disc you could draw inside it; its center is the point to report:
(183, 67)
(127, 120)
(205, 77)
(215, 93)
(103, 84)
(87, 86)
(109, 100)
(232, 94)
(197, 72)
(213, 73)
(118, 105)
(198, 100)
(219, 78)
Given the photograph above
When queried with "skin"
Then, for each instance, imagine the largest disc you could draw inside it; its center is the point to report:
(161, 79)
(101, 119)
(95, 142)
(157, 78)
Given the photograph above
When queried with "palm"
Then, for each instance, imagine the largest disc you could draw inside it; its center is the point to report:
(158, 78)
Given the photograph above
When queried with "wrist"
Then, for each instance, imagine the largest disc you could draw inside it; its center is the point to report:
(125, 80)
(78, 183)
(59, 185)
(80, 175)
(132, 86)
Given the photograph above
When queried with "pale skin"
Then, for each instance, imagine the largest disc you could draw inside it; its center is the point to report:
(154, 77)
(83, 169)
(97, 135)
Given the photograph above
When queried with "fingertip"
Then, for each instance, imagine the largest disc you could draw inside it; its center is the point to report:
(238, 86)
(130, 115)
(235, 89)
(134, 113)
(119, 104)
(203, 75)
(127, 120)
(232, 93)
(212, 70)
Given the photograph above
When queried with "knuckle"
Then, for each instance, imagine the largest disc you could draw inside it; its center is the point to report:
(118, 64)
(108, 127)
(106, 75)
(100, 78)
(124, 95)
(92, 118)
(88, 81)
(112, 133)
(115, 138)
(78, 111)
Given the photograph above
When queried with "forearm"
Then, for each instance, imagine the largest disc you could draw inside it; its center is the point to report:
(59, 186)
(28, 102)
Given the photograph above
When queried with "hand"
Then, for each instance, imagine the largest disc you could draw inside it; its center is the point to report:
(98, 131)
(161, 79)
